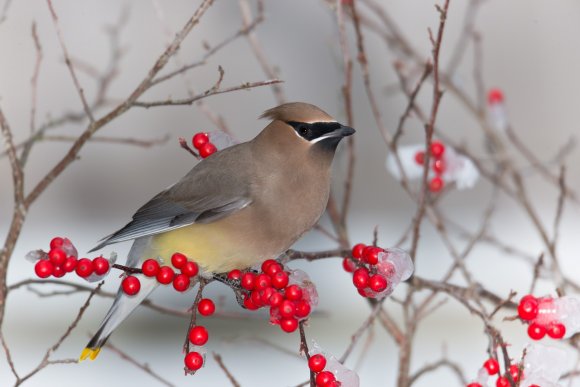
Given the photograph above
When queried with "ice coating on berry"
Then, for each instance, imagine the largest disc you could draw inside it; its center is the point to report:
(497, 116)
(459, 169)
(309, 293)
(482, 376)
(547, 311)
(543, 365)
(402, 261)
(346, 376)
(568, 310)
(94, 277)
(221, 140)
(69, 248)
(36, 255)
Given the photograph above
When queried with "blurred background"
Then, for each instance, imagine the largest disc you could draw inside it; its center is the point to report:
(529, 51)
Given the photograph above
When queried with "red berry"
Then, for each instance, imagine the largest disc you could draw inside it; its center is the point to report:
(492, 366)
(437, 149)
(181, 282)
(198, 335)
(249, 304)
(190, 269)
(515, 372)
(287, 308)
(377, 283)
(276, 299)
(58, 271)
(256, 298)
(324, 378)
(536, 331)
(131, 285)
(556, 330)
(207, 150)
(165, 275)
(357, 250)
(150, 267)
(274, 269)
(502, 381)
(199, 140)
(348, 265)
(474, 384)
(100, 266)
(293, 293)
(288, 325)
(494, 96)
(262, 281)
(43, 268)
(316, 363)
(84, 267)
(57, 256)
(528, 308)
(178, 260)
(70, 264)
(439, 166)
(302, 309)
(280, 280)
(248, 280)
(206, 307)
(235, 274)
(193, 361)
(371, 254)
(265, 295)
(360, 278)
(436, 184)
(267, 263)
(56, 243)
(420, 157)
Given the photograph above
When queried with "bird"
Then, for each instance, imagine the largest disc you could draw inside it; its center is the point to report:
(236, 208)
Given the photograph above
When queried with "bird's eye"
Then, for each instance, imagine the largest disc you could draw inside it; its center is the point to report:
(303, 131)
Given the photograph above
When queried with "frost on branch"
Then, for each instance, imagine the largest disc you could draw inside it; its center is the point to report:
(327, 367)
(449, 167)
(496, 110)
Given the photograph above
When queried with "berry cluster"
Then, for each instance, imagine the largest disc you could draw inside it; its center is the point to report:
(62, 259)
(546, 315)
(290, 295)
(198, 336)
(490, 368)
(377, 271)
(323, 378)
(202, 143)
(164, 274)
(438, 165)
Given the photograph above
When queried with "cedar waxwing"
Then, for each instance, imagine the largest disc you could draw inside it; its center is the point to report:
(238, 207)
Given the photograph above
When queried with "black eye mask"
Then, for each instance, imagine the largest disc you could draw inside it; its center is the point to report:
(314, 130)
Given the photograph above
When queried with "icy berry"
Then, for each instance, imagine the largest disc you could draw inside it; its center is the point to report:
(536, 331)
(324, 378)
(515, 372)
(57, 256)
(193, 361)
(288, 325)
(439, 166)
(474, 384)
(207, 150)
(436, 184)
(235, 274)
(302, 309)
(377, 283)
(293, 292)
(280, 280)
(131, 285)
(556, 330)
(371, 254)
(502, 381)
(84, 267)
(100, 266)
(70, 264)
(494, 96)
(437, 149)
(492, 366)
(357, 250)
(190, 269)
(56, 243)
(198, 335)
(150, 267)
(181, 282)
(360, 278)
(528, 307)
(248, 280)
(206, 307)
(348, 265)
(43, 268)
(316, 363)
(178, 260)
(199, 140)
(420, 157)
(165, 275)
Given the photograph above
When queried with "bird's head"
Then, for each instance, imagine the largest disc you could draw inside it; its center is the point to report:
(301, 127)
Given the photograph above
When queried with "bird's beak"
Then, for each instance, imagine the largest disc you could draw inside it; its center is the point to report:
(343, 131)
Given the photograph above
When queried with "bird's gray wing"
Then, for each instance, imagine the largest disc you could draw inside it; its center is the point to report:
(215, 188)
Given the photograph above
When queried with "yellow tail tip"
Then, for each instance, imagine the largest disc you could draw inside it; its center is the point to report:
(89, 353)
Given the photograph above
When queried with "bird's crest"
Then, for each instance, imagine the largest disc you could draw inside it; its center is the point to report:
(298, 112)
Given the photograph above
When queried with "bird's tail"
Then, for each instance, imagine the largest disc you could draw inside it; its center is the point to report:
(123, 305)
